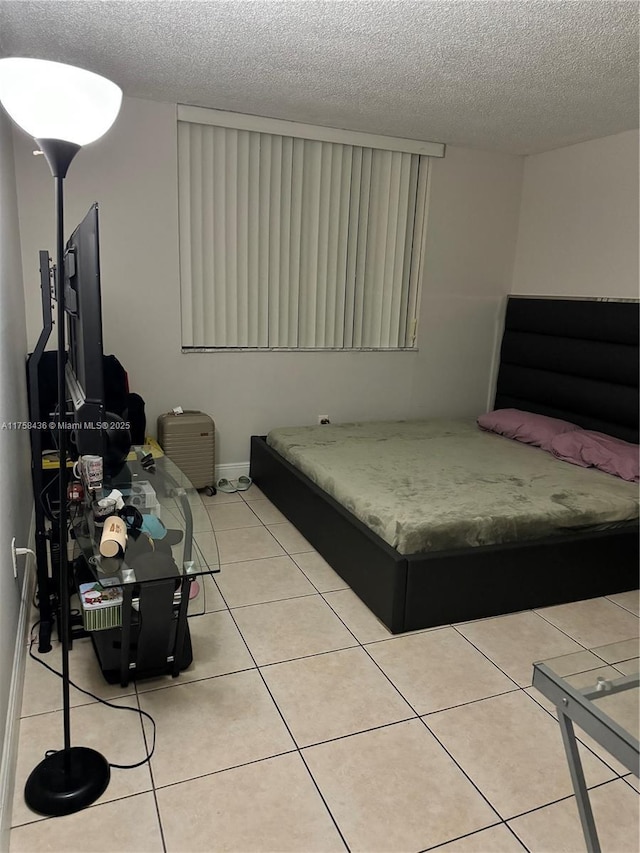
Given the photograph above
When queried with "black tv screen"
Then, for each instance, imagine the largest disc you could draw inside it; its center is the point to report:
(85, 380)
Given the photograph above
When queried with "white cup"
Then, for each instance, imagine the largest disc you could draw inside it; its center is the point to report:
(114, 537)
(89, 469)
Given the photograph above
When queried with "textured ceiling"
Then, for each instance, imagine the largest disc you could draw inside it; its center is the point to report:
(518, 76)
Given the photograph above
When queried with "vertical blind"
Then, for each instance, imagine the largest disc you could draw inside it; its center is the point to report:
(291, 242)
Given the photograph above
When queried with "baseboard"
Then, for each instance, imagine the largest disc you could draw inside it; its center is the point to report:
(12, 727)
(232, 470)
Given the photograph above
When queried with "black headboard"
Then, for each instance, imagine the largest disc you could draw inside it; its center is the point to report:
(572, 359)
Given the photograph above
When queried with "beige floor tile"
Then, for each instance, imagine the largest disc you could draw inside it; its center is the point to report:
(511, 748)
(210, 725)
(595, 622)
(117, 735)
(629, 600)
(570, 664)
(629, 667)
(220, 498)
(283, 630)
(632, 780)
(128, 826)
(496, 839)
(201, 518)
(357, 616)
(291, 539)
(258, 581)
(218, 649)
(271, 805)
(267, 512)
(251, 494)
(319, 572)
(557, 827)
(515, 641)
(208, 599)
(395, 789)
(206, 544)
(232, 515)
(43, 689)
(246, 543)
(328, 696)
(438, 669)
(618, 652)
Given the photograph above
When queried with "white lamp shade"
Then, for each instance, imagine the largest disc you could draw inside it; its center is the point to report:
(51, 100)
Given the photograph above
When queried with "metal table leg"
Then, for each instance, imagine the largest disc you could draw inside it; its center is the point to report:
(125, 638)
(579, 784)
(181, 627)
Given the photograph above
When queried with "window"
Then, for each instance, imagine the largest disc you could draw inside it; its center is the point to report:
(289, 241)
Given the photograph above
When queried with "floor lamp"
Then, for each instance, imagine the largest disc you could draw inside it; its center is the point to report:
(63, 108)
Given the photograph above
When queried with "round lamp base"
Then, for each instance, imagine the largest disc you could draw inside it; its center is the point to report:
(67, 781)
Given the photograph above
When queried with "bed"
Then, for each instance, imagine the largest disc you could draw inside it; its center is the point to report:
(571, 359)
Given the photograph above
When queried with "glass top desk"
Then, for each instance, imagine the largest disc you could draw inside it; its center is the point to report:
(175, 546)
(599, 691)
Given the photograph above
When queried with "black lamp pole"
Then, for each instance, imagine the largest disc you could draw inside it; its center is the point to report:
(74, 777)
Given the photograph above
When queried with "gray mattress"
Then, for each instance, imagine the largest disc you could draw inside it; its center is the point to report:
(433, 485)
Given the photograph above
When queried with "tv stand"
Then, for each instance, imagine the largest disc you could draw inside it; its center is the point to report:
(154, 575)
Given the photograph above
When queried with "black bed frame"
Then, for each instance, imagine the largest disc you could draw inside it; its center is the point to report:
(572, 359)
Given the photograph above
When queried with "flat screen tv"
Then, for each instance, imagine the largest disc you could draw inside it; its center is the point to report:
(84, 369)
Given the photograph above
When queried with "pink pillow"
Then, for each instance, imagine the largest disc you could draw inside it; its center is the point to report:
(597, 450)
(527, 427)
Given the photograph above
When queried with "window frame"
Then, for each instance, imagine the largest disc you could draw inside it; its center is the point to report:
(281, 128)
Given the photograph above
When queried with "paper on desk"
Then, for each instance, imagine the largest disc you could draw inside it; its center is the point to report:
(116, 496)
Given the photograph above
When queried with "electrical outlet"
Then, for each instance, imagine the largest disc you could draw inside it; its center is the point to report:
(324, 419)
(19, 552)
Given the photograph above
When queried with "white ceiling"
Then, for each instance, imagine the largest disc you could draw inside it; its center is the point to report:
(518, 76)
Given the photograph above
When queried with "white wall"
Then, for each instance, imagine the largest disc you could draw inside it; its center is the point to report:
(579, 220)
(16, 503)
(132, 174)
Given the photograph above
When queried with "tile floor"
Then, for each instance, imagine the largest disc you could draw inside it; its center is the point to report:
(304, 725)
